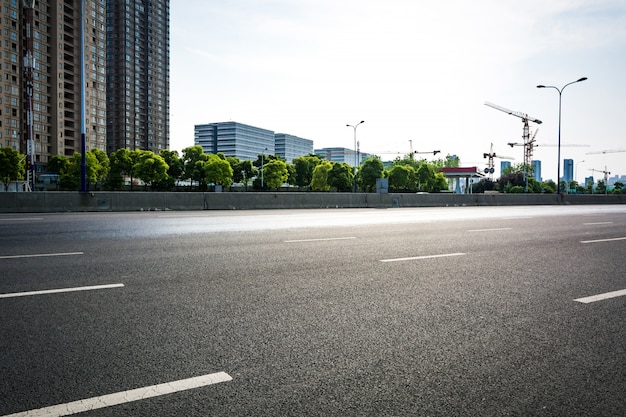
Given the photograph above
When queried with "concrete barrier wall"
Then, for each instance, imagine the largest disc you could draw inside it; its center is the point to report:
(50, 202)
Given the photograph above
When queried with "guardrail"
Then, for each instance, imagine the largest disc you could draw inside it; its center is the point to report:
(51, 202)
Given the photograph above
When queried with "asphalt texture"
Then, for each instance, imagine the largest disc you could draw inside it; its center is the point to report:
(459, 311)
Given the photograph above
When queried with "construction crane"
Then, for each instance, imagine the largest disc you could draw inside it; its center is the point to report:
(525, 133)
(607, 151)
(606, 177)
(491, 155)
(528, 150)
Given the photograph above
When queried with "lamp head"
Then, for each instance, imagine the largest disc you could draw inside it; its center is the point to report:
(541, 86)
(582, 79)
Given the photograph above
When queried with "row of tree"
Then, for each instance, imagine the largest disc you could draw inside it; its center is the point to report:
(519, 179)
(137, 169)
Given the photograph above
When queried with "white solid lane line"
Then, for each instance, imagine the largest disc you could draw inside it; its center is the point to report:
(596, 223)
(422, 257)
(320, 240)
(490, 230)
(601, 297)
(122, 397)
(60, 290)
(39, 255)
(603, 240)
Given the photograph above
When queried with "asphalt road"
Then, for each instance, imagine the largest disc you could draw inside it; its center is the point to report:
(416, 311)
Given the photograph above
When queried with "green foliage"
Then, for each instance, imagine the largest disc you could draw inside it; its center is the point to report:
(369, 172)
(451, 161)
(150, 167)
(11, 166)
(70, 175)
(218, 171)
(400, 177)
(483, 185)
(304, 167)
(57, 163)
(192, 169)
(174, 171)
(275, 173)
(319, 182)
(341, 177)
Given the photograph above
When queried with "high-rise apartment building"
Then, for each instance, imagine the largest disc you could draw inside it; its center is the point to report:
(40, 69)
(536, 170)
(568, 170)
(138, 74)
(126, 76)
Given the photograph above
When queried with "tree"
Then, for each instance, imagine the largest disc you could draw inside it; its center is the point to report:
(192, 170)
(400, 177)
(57, 163)
(11, 166)
(618, 188)
(319, 181)
(70, 175)
(218, 171)
(122, 163)
(150, 168)
(370, 171)
(340, 176)
(304, 166)
(174, 170)
(275, 173)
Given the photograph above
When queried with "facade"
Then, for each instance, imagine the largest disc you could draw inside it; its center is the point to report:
(137, 75)
(536, 170)
(349, 156)
(568, 170)
(234, 139)
(504, 165)
(126, 76)
(40, 69)
(290, 147)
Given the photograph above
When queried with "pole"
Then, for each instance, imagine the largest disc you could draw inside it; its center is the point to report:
(83, 136)
(558, 165)
(356, 154)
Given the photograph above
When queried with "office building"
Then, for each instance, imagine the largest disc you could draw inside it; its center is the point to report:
(137, 74)
(234, 139)
(290, 147)
(125, 43)
(568, 170)
(349, 156)
(536, 170)
(503, 166)
(40, 61)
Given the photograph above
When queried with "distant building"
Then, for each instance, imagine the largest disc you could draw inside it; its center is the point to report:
(568, 170)
(504, 165)
(290, 147)
(589, 180)
(342, 155)
(234, 139)
(536, 170)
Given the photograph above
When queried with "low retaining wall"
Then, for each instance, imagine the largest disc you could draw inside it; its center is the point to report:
(51, 202)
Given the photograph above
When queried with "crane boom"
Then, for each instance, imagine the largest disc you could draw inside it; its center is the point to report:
(521, 115)
(607, 151)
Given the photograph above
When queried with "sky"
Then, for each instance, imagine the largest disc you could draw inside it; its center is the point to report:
(418, 74)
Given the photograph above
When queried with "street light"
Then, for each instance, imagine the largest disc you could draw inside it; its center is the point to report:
(262, 163)
(558, 165)
(576, 170)
(356, 155)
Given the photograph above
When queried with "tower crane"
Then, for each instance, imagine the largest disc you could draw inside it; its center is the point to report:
(491, 155)
(606, 176)
(528, 151)
(607, 151)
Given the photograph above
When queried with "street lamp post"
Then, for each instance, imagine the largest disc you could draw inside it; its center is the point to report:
(558, 165)
(356, 155)
(262, 164)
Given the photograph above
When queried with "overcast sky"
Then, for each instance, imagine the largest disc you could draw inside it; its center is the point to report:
(416, 71)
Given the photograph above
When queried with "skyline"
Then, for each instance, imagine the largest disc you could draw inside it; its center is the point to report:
(413, 73)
